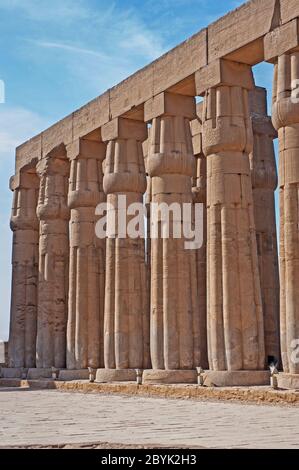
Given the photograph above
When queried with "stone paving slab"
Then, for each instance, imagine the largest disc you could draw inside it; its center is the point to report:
(49, 417)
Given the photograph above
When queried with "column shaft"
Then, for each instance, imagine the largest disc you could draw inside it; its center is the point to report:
(286, 121)
(235, 317)
(53, 214)
(175, 316)
(87, 257)
(264, 183)
(125, 313)
(199, 191)
(24, 223)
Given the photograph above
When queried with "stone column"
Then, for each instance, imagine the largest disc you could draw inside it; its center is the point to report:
(235, 316)
(87, 257)
(199, 192)
(24, 224)
(264, 183)
(125, 314)
(175, 316)
(286, 121)
(53, 214)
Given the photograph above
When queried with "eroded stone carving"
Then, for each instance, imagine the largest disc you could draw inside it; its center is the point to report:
(235, 317)
(264, 183)
(87, 257)
(24, 224)
(286, 121)
(126, 319)
(53, 213)
(175, 316)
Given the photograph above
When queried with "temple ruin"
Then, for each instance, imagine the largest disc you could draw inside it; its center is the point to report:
(115, 308)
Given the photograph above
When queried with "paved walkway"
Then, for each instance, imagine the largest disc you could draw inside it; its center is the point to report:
(50, 417)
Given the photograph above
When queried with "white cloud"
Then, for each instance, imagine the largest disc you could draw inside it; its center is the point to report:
(43, 10)
(17, 125)
(67, 48)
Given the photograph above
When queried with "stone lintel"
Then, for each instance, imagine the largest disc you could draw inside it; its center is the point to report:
(169, 377)
(120, 128)
(83, 148)
(170, 104)
(223, 72)
(281, 40)
(242, 378)
(289, 9)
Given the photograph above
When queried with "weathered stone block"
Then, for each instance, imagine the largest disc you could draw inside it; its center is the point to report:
(80, 374)
(289, 9)
(61, 132)
(115, 375)
(281, 40)
(91, 116)
(236, 378)
(224, 72)
(169, 376)
(170, 104)
(180, 62)
(239, 28)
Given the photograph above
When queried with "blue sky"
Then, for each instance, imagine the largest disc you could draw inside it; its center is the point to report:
(56, 56)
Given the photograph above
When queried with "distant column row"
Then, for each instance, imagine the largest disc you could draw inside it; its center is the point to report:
(80, 301)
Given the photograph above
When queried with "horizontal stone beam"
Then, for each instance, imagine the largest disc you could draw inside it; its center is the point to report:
(238, 36)
(281, 40)
(289, 9)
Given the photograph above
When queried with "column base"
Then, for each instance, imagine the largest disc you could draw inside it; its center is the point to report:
(243, 378)
(115, 375)
(13, 372)
(39, 373)
(161, 376)
(288, 381)
(73, 374)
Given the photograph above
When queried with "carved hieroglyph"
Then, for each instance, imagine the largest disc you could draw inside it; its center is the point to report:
(87, 257)
(24, 223)
(175, 316)
(126, 319)
(286, 121)
(264, 183)
(235, 317)
(53, 213)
